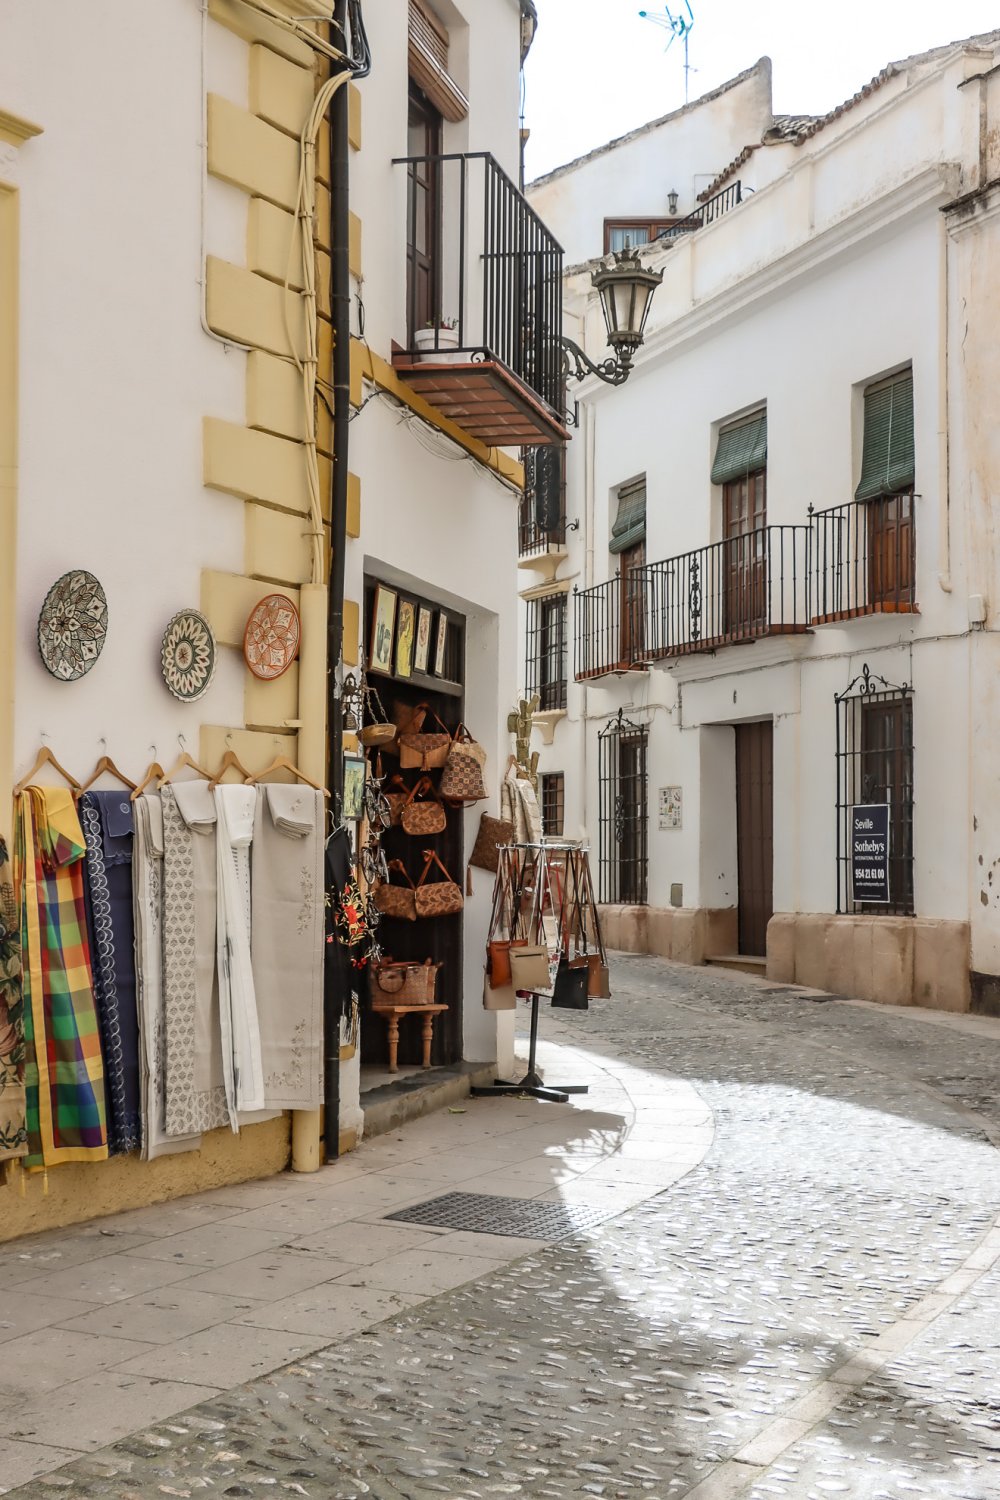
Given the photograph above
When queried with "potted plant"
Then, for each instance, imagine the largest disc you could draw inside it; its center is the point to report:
(437, 340)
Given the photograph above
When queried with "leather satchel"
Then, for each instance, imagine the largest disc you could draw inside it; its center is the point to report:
(570, 991)
(396, 900)
(462, 779)
(396, 794)
(492, 833)
(529, 967)
(498, 996)
(443, 898)
(598, 978)
(424, 751)
(498, 959)
(421, 814)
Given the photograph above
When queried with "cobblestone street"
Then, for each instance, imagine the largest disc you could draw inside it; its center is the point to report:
(810, 1309)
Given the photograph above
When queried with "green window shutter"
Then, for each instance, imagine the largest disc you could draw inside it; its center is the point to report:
(630, 523)
(741, 450)
(887, 463)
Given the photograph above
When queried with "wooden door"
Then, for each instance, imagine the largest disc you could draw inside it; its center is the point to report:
(755, 833)
(890, 552)
(632, 593)
(423, 215)
(744, 517)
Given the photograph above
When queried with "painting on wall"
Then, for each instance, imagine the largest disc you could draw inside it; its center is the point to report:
(404, 638)
(442, 639)
(383, 627)
(422, 650)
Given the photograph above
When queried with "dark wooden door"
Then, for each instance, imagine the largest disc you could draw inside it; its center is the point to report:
(632, 593)
(890, 552)
(423, 222)
(755, 833)
(744, 517)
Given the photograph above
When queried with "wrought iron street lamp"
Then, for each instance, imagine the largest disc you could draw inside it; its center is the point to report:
(626, 289)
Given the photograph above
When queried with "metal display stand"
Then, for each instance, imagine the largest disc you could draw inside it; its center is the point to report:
(518, 855)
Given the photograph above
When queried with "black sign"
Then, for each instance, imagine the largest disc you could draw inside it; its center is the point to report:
(870, 851)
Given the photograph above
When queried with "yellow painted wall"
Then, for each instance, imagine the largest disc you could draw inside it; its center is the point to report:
(8, 485)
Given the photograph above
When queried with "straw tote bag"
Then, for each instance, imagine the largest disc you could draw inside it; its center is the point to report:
(403, 983)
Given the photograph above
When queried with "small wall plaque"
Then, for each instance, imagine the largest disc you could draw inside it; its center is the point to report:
(671, 807)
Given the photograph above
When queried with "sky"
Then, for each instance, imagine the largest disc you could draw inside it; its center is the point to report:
(597, 69)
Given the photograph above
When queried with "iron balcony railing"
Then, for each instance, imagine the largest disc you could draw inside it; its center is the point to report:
(484, 273)
(541, 522)
(726, 593)
(713, 208)
(863, 559)
(533, 540)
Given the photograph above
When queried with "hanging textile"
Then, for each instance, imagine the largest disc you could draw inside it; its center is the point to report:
(288, 942)
(195, 1090)
(519, 805)
(64, 1071)
(13, 1130)
(241, 1055)
(147, 889)
(106, 819)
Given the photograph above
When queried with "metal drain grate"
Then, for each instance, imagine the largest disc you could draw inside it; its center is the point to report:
(522, 1217)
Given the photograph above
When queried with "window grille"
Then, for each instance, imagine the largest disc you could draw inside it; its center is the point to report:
(875, 765)
(553, 804)
(629, 526)
(887, 461)
(545, 669)
(623, 827)
(542, 512)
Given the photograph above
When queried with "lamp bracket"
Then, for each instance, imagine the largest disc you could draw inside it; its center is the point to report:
(577, 365)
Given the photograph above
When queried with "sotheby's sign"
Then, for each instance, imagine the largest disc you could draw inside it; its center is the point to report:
(870, 851)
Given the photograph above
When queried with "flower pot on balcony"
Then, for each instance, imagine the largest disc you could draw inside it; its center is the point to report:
(437, 345)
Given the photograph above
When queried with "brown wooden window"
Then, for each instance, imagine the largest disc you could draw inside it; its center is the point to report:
(636, 231)
(423, 229)
(744, 517)
(553, 788)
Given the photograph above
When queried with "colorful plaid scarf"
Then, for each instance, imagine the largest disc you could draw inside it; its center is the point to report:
(64, 1072)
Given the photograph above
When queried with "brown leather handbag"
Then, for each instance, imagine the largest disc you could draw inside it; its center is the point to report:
(424, 751)
(423, 813)
(443, 898)
(397, 900)
(498, 959)
(396, 794)
(462, 779)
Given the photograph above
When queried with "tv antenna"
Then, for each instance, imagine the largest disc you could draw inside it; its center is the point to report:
(679, 26)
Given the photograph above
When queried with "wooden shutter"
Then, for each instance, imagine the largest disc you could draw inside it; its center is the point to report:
(887, 462)
(428, 61)
(742, 448)
(630, 523)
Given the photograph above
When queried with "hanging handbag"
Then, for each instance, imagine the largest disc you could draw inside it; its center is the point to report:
(423, 815)
(498, 997)
(420, 751)
(529, 967)
(462, 779)
(394, 983)
(598, 977)
(397, 900)
(498, 958)
(492, 833)
(570, 992)
(396, 794)
(443, 898)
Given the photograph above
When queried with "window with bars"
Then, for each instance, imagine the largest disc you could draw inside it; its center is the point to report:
(545, 669)
(553, 789)
(623, 849)
(875, 765)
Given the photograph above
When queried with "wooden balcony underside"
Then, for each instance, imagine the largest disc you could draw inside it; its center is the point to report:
(484, 399)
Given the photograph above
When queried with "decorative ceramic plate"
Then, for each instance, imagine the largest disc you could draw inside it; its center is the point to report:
(188, 655)
(73, 625)
(271, 641)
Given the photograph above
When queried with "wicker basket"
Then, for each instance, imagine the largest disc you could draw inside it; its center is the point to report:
(403, 983)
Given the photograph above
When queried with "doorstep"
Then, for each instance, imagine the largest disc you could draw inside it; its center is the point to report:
(743, 963)
(420, 1093)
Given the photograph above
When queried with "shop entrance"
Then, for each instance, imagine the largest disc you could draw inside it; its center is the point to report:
(755, 833)
(428, 644)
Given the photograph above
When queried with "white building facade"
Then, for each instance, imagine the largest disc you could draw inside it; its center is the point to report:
(781, 596)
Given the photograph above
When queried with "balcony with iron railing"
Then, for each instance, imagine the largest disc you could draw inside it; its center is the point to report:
(850, 561)
(713, 208)
(541, 528)
(863, 559)
(484, 302)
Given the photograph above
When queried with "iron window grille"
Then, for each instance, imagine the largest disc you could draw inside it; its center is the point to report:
(545, 669)
(542, 512)
(553, 804)
(623, 862)
(875, 764)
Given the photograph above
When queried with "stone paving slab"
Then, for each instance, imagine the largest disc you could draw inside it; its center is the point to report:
(813, 1310)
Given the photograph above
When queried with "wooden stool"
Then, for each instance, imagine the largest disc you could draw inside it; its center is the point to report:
(392, 1014)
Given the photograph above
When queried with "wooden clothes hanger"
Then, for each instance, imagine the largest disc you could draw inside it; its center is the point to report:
(106, 764)
(230, 762)
(154, 771)
(282, 763)
(183, 761)
(46, 758)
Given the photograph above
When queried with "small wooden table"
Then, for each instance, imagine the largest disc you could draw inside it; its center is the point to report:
(392, 1014)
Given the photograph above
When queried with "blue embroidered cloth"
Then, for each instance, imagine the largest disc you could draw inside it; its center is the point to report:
(106, 818)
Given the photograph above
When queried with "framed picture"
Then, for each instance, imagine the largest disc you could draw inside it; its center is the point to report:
(422, 651)
(405, 631)
(383, 627)
(354, 787)
(442, 637)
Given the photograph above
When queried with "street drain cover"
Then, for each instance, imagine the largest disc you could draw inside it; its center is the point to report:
(485, 1214)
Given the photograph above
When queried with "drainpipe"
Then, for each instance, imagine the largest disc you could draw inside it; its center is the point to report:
(340, 296)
